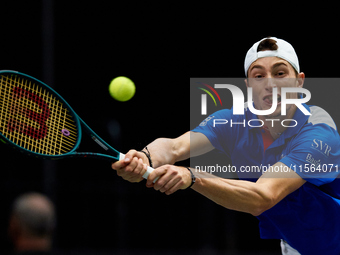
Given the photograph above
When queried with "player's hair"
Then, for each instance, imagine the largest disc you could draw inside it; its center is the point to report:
(270, 44)
(267, 44)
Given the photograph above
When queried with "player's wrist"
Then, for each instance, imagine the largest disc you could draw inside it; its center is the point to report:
(146, 152)
(192, 176)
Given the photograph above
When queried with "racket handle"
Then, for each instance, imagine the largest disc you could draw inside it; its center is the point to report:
(148, 171)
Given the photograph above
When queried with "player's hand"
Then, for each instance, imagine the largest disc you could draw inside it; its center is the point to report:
(171, 179)
(132, 167)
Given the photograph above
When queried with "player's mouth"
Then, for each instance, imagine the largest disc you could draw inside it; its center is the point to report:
(269, 99)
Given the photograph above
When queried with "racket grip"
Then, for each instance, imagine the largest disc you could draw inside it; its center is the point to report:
(148, 171)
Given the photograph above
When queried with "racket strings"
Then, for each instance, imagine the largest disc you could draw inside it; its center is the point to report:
(33, 118)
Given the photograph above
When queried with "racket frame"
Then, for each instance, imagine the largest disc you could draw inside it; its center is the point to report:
(114, 154)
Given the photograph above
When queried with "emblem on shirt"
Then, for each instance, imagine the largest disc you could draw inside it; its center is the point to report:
(321, 146)
(313, 161)
(204, 122)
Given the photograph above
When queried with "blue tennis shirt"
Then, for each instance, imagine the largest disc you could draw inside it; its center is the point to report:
(309, 218)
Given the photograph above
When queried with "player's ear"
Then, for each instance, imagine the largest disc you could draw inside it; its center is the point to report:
(246, 82)
(300, 79)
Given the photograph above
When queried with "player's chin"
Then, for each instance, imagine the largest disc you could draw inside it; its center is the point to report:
(276, 113)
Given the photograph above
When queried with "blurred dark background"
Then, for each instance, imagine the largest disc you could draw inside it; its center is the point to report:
(78, 47)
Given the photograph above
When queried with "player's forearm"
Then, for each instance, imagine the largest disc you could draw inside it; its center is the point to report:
(169, 151)
(236, 195)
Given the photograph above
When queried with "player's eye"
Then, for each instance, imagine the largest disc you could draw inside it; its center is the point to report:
(280, 74)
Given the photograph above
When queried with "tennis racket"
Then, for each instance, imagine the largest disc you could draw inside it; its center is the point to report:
(36, 120)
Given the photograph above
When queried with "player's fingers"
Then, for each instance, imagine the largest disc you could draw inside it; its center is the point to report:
(126, 169)
(121, 164)
(131, 167)
(118, 165)
(168, 176)
(130, 155)
(169, 185)
(134, 179)
(174, 188)
(154, 175)
(170, 179)
(139, 169)
(133, 153)
(173, 180)
(135, 170)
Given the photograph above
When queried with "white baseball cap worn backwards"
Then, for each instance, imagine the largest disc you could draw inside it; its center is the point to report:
(285, 51)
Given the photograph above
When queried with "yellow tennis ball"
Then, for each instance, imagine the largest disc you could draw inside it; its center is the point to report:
(122, 88)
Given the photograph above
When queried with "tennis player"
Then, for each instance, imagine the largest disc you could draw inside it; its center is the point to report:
(293, 202)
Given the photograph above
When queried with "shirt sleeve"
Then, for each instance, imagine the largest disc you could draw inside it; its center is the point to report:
(315, 154)
(217, 129)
